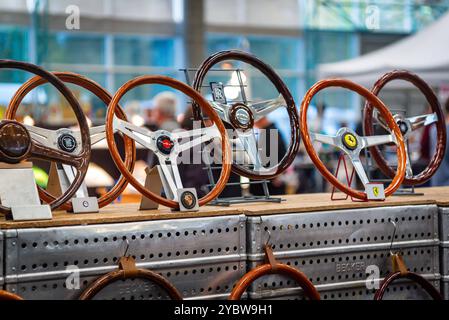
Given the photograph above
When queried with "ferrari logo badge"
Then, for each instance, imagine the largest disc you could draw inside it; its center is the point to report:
(375, 191)
(350, 141)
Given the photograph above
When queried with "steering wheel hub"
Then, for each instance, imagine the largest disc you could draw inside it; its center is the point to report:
(403, 126)
(14, 140)
(165, 144)
(67, 142)
(241, 116)
(350, 141)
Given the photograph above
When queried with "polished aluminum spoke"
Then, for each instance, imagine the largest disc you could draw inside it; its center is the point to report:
(142, 135)
(263, 108)
(370, 141)
(202, 135)
(326, 139)
(422, 120)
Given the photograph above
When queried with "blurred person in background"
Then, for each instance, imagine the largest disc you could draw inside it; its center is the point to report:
(163, 113)
(162, 117)
(441, 177)
(277, 185)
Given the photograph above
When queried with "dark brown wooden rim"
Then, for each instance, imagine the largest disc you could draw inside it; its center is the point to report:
(175, 84)
(280, 86)
(426, 285)
(80, 161)
(343, 83)
(278, 268)
(5, 295)
(116, 275)
(103, 95)
(432, 99)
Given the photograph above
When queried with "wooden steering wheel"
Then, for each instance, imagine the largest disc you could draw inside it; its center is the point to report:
(391, 277)
(127, 270)
(349, 142)
(168, 145)
(17, 145)
(274, 267)
(407, 126)
(241, 117)
(51, 138)
(5, 295)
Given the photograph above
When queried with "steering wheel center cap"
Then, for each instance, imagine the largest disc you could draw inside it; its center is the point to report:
(165, 144)
(350, 141)
(14, 140)
(67, 142)
(402, 126)
(241, 116)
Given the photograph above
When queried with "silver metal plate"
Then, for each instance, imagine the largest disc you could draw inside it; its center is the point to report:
(18, 187)
(188, 199)
(85, 205)
(31, 212)
(203, 257)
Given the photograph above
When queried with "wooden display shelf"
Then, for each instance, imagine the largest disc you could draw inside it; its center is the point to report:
(128, 212)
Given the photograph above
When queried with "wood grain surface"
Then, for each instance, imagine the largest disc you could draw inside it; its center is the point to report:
(301, 203)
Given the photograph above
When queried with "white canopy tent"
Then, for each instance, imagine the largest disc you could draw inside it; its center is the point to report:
(425, 53)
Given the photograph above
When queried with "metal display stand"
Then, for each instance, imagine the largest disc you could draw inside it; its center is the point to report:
(227, 201)
(60, 178)
(201, 257)
(336, 248)
(19, 192)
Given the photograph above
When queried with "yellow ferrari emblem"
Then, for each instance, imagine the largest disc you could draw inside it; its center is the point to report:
(376, 191)
(350, 140)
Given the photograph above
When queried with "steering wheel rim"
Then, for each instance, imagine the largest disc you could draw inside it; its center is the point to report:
(116, 275)
(432, 99)
(282, 89)
(5, 295)
(391, 277)
(343, 83)
(80, 162)
(278, 268)
(103, 95)
(177, 85)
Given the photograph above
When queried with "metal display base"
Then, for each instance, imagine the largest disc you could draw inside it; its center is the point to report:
(18, 191)
(334, 248)
(202, 257)
(444, 250)
(205, 256)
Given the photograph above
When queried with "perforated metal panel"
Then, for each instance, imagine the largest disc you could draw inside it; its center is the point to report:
(335, 247)
(202, 257)
(444, 223)
(1, 260)
(444, 250)
(400, 290)
(445, 287)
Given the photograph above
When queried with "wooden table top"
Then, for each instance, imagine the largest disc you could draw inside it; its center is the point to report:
(128, 212)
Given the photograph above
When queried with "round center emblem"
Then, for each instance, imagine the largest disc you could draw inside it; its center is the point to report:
(350, 141)
(14, 140)
(67, 142)
(164, 144)
(188, 200)
(242, 116)
(403, 127)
